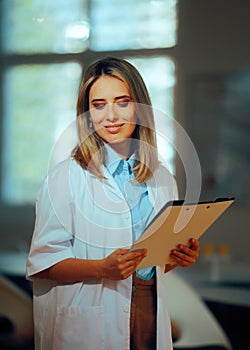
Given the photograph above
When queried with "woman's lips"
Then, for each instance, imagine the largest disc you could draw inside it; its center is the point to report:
(113, 129)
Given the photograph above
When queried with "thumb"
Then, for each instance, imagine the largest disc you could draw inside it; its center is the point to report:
(121, 251)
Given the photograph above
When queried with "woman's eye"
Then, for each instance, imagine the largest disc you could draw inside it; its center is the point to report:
(123, 104)
(99, 106)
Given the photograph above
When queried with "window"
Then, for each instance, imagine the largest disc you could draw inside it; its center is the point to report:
(39, 105)
(45, 46)
(138, 24)
(43, 26)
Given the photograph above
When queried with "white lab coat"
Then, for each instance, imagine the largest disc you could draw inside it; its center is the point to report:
(81, 216)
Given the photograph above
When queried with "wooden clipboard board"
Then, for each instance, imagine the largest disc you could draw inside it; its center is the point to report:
(176, 223)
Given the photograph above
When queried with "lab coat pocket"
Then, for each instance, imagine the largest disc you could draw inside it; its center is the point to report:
(79, 328)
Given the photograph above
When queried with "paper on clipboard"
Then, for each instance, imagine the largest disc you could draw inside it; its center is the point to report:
(177, 223)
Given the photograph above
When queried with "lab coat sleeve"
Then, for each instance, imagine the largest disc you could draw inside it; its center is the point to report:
(53, 233)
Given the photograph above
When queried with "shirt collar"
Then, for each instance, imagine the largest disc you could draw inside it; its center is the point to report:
(113, 159)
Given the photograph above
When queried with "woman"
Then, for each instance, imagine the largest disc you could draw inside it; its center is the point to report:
(88, 292)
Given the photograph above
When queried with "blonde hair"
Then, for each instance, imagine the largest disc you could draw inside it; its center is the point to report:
(90, 153)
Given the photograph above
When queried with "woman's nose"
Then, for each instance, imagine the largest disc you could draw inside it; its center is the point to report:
(111, 113)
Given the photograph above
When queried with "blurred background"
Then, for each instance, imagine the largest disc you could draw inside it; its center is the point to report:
(194, 56)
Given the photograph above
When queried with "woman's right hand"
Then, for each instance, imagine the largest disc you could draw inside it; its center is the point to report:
(122, 263)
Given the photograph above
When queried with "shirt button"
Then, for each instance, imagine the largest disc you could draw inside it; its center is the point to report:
(133, 288)
(126, 308)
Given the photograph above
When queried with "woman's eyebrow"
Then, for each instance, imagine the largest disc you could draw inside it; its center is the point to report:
(115, 99)
(97, 100)
(121, 97)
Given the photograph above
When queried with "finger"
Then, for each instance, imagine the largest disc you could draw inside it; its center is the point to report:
(129, 268)
(133, 263)
(126, 273)
(139, 253)
(187, 250)
(194, 244)
(121, 251)
(183, 256)
(183, 261)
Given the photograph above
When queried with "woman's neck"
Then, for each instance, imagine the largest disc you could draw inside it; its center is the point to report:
(122, 148)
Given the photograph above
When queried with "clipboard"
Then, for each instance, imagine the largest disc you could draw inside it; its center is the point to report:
(176, 223)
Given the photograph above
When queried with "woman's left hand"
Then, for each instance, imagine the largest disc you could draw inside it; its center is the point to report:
(184, 255)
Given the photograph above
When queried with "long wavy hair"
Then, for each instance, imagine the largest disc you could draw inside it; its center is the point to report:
(89, 152)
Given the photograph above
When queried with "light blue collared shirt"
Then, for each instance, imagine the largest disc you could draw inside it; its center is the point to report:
(135, 194)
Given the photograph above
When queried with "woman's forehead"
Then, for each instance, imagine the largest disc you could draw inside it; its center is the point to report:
(108, 86)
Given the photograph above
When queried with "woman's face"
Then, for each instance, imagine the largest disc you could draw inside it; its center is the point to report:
(111, 109)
